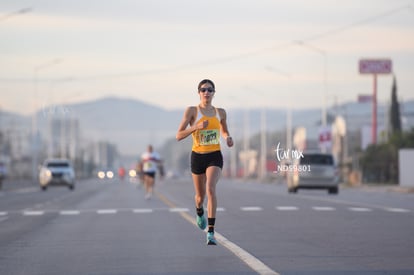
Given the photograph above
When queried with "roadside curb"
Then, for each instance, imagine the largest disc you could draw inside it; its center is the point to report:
(381, 187)
(13, 185)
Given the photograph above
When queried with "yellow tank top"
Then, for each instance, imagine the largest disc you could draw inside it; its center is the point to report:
(208, 139)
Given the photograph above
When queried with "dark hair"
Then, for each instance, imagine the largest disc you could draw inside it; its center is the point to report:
(204, 81)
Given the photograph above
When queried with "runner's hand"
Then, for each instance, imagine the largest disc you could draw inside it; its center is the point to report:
(229, 141)
(202, 125)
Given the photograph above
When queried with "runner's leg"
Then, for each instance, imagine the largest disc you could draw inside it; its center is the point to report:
(200, 189)
(212, 176)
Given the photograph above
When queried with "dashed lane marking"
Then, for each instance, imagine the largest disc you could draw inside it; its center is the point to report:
(397, 210)
(172, 209)
(25, 190)
(251, 208)
(353, 206)
(323, 208)
(69, 212)
(360, 209)
(107, 211)
(143, 210)
(287, 208)
(33, 213)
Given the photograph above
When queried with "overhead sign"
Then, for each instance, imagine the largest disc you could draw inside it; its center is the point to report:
(375, 66)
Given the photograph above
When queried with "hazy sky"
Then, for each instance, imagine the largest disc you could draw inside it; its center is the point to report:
(259, 53)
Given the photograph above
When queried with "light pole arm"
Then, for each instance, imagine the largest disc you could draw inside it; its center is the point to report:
(14, 13)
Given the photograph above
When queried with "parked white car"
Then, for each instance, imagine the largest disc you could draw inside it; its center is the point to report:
(57, 172)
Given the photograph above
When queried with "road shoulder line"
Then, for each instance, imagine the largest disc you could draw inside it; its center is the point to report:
(251, 261)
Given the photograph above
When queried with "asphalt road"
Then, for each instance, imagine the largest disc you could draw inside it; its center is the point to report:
(107, 227)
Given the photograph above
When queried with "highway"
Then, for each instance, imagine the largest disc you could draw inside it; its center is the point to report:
(107, 227)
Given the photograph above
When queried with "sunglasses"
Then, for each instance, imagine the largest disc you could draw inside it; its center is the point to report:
(203, 90)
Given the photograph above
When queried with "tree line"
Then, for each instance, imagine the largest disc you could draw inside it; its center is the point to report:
(379, 162)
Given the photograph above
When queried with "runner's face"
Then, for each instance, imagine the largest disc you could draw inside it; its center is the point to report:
(206, 92)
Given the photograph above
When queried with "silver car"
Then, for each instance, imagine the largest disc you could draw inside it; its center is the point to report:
(57, 172)
(314, 171)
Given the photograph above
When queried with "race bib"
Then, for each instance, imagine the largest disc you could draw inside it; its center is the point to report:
(147, 165)
(209, 137)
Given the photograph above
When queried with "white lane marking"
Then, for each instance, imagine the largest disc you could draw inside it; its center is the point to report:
(245, 256)
(69, 212)
(107, 211)
(363, 207)
(177, 209)
(323, 208)
(251, 208)
(287, 208)
(249, 259)
(142, 210)
(3, 213)
(25, 190)
(397, 210)
(33, 213)
(253, 262)
(360, 209)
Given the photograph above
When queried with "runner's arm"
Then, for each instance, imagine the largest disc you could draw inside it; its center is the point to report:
(224, 129)
(189, 116)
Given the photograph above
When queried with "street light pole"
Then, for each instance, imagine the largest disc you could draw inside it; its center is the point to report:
(324, 55)
(233, 156)
(246, 142)
(288, 110)
(35, 130)
(263, 141)
(324, 112)
(263, 147)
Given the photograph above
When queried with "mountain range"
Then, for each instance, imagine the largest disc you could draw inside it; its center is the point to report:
(132, 124)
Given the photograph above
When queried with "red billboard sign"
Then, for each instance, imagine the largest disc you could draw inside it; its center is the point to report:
(375, 66)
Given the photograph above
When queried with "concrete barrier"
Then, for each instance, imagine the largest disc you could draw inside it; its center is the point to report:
(406, 171)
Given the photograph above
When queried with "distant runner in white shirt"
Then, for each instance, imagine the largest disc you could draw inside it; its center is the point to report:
(149, 163)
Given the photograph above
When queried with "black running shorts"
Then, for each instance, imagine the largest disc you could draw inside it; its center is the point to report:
(150, 174)
(200, 162)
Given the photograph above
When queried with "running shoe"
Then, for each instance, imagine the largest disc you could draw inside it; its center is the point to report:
(201, 222)
(210, 238)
